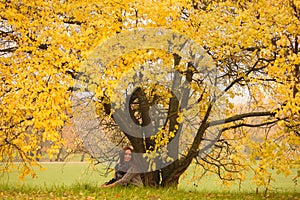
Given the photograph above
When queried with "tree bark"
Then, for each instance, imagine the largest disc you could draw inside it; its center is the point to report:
(171, 173)
(151, 179)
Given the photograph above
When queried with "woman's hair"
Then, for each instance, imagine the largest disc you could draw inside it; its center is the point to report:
(127, 148)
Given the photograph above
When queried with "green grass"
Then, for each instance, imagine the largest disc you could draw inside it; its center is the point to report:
(213, 184)
(87, 191)
(78, 181)
(57, 174)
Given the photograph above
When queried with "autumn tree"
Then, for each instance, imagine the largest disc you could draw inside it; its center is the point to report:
(163, 75)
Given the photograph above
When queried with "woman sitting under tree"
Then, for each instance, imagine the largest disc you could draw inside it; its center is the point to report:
(125, 171)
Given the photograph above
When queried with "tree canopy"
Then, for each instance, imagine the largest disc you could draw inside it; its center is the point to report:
(221, 75)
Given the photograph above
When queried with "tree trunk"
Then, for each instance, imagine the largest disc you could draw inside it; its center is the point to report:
(151, 179)
(171, 181)
(171, 173)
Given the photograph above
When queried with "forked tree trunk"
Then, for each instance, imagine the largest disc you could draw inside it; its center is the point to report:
(168, 176)
(153, 179)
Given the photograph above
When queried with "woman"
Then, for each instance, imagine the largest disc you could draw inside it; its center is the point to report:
(125, 171)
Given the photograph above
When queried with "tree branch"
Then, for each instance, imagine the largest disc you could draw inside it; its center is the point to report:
(250, 125)
(240, 117)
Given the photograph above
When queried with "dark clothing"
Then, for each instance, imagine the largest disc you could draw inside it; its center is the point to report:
(120, 171)
(126, 176)
(131, 178)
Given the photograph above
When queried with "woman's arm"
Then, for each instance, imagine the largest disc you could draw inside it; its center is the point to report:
(125, 179)
(108, 186)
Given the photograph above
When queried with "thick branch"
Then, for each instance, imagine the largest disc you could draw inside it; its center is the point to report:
(240, 117)
(250, 125)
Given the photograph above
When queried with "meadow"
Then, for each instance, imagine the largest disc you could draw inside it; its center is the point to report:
(77, 180)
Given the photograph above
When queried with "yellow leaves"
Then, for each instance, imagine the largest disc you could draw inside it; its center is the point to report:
(151, 155)
(296, 3)
(263, 152)
(267, 156)
(52, 39)
(162, 138)
(35, 97)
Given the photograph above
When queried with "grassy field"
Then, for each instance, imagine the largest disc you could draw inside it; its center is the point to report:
(78, 181)
(85, 191)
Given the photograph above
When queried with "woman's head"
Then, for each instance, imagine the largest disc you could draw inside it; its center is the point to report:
(126, 155)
